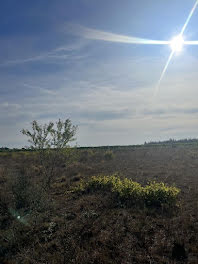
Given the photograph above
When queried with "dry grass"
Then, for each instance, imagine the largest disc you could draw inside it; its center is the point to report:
(91, 228)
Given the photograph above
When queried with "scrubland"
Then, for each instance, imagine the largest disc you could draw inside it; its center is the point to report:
(106, 205)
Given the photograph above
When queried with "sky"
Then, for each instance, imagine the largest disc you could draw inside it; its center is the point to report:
(56, 62)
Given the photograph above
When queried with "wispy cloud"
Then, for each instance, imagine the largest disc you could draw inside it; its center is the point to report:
(95, 34)
(61, 53)
(41, 89)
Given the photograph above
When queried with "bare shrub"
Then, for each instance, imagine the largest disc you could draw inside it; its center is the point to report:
(51, 142)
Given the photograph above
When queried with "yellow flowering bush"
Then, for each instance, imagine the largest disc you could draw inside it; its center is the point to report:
(160, 193)
(125, 189)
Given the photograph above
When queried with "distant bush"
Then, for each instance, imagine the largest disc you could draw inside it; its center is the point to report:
(90, 155)
(86, 155)
(108, 155)
(126, 190)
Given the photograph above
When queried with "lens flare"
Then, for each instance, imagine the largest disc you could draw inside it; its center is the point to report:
(177, 43)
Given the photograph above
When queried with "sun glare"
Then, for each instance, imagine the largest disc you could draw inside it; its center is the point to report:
(177, 43)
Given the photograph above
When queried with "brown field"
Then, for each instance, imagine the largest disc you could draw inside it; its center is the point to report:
(91, 228)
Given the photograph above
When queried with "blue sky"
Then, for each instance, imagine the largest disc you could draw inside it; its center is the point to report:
(53, 65)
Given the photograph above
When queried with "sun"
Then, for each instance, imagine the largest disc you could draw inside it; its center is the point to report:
(177, 43)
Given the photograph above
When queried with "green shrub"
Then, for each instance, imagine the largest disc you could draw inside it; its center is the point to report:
(126, 190)
(108, 155)
(129, 190)
(160, 193)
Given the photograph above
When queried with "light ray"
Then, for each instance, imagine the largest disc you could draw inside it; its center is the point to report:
(191, 42)
(185, 42)
(163, 72)
(189, 17)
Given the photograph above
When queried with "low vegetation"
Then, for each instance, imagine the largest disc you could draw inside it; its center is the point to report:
(126, 190)
(53, 210)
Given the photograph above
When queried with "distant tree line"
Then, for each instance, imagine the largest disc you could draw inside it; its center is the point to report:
(173, 141)
(6, 149)
(163, 142)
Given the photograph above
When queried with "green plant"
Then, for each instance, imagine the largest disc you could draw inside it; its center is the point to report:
(126, 190)
(159, 193)
(51, 142)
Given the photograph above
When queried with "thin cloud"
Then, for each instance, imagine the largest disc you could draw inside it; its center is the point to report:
(64, 52)
(26, 60)
(94, 34)
(41, 89)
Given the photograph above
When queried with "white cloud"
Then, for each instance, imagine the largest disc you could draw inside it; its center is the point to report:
(95, 34)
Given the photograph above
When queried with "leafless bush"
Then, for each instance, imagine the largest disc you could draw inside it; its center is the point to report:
(51, 146)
